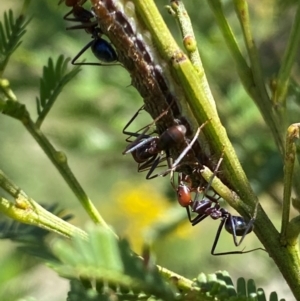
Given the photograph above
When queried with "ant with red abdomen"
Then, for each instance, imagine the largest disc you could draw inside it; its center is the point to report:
(210, 206)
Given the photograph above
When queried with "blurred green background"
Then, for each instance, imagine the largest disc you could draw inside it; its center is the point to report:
(86, 123)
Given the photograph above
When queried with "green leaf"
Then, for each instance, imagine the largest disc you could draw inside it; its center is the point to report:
(79, 292)
(219, 286)
(55, 77)
(110, 264)
(11, 32)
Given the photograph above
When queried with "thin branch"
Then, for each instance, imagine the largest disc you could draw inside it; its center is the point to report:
(291, 51)
(289, 163)
(26, 210)
(58, 158)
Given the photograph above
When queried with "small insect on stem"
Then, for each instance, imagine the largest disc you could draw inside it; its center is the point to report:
(209, 206)
(147, 150)
(101, 49)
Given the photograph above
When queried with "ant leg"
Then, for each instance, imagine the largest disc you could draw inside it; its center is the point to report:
(155, 120)
(132, 147)
(189, 214)
(247, 230)
(68, 14)
(153, 166)
(233, 222)
(147, 165)
(83, 50)
(212, 252)
(198, 219)
(169, 164)
(144, 129)
(82, 26)
(131, 134)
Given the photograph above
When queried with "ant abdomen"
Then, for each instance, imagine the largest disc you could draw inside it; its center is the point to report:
(103, 51)
(240, 226)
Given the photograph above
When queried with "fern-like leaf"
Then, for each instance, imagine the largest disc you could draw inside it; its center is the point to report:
(219, 286)
(111, 265)
(11, 32)
(55, 77)
(79, 292)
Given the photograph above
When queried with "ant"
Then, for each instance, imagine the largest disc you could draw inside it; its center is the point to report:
(102, 50)
(209, 206)
(146, 149)
(80, 14)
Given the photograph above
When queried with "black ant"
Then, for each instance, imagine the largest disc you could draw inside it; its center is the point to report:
(100, 47)
(209, 206)
(102, 50)
(80, 14)
(146, 149)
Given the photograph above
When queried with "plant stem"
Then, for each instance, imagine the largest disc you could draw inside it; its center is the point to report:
(26, 210)
(58, 158)
(189, 41)
(251, 78)
(291, 51)
(178, 10)
(287, 258)
(289, 163)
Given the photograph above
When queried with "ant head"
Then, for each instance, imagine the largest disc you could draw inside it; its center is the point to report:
(183, 121)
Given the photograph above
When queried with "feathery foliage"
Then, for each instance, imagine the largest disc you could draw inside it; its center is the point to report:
(219, 286)
(103, 259)
(55, 77)
(11, 32)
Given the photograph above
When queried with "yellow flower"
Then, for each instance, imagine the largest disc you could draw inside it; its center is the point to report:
(138, 206)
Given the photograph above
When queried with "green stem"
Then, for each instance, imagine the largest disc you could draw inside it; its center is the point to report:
(214, 131)
(289, 163)
(197, 98)
(6, 90)
(249, 78)
(290, 54)
(189, 41)
(26, 210)
(181, 283)
(58, 158)
(178, 10)
(33, 214)
(286, 258)
(243, 69)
